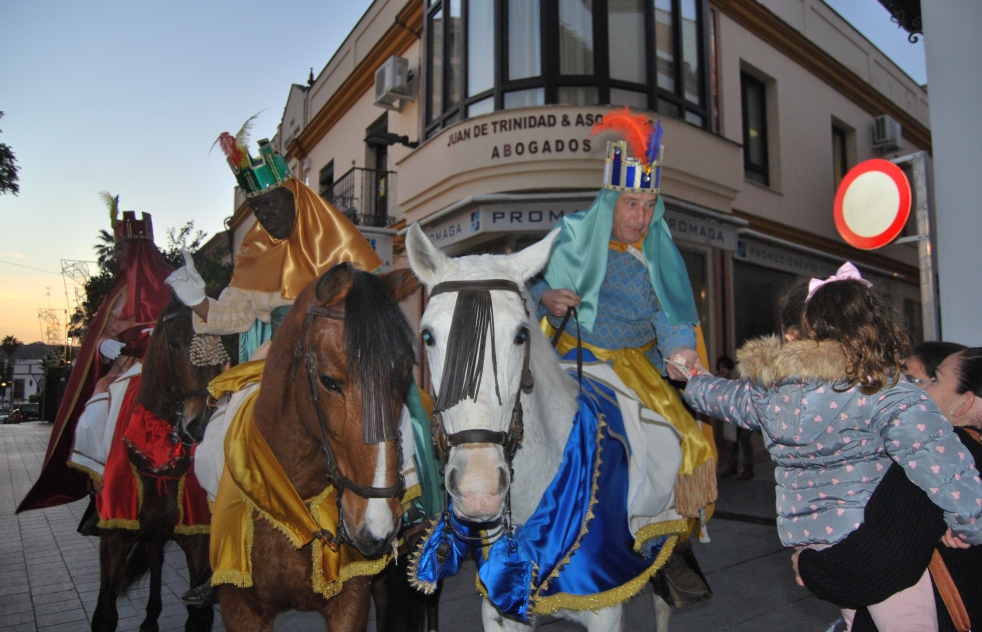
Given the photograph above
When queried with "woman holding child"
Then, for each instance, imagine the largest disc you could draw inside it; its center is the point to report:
(836, 414)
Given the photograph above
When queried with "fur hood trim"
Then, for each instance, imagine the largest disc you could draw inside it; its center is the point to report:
(768, 361)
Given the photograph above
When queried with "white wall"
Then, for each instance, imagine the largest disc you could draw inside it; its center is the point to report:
(954, 55)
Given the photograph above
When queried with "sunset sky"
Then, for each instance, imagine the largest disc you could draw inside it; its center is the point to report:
(129, 96)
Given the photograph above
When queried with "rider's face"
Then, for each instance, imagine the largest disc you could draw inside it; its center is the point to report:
(120, 250)
(632, 214)
(276, 212)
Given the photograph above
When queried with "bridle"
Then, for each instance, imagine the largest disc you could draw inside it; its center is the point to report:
(510, 441)
(305, 350)
(179, 397)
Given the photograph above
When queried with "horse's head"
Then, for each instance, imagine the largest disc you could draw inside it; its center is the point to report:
(478, 390)
(352, 356)
(173, 387)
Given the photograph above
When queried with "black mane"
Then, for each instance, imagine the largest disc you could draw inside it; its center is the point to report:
(381, 351)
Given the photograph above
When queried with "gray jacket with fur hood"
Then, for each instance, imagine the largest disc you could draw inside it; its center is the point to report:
(832, 446)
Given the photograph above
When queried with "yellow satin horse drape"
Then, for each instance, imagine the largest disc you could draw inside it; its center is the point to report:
(696, 484)
(252, 483)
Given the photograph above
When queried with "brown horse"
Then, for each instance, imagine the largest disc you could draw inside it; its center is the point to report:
(172, 389)
(332, 389)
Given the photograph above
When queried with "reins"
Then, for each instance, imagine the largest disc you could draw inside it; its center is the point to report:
(178, 396)
(305, 350)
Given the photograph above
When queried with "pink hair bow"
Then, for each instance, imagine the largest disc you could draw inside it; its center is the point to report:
(848, 272)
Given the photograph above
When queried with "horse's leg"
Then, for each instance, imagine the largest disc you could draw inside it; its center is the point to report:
(662, 610)
(114, 546)
(241, 610)
(604, 620)
(348, 610)
(155, 555)
(433, 608)
(494, 622)
(381, 585)
(196, 551)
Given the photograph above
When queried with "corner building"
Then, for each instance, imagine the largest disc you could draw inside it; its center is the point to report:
(766, 104)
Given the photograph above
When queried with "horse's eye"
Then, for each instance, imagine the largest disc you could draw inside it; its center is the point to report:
(428, 338)
(331, 384)
(174, 344)
(522, 336)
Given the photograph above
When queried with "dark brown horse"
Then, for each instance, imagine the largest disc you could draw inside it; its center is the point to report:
(172, 389)
(337, 370)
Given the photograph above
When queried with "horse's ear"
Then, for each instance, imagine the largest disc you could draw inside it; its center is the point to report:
(533, 259)
(335, 281)
(400, 283)
(424, 258)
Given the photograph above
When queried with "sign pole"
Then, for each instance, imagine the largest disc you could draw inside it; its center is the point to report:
(925, 251)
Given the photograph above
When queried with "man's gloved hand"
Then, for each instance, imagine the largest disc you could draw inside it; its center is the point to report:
(110, 348)
(187, 283)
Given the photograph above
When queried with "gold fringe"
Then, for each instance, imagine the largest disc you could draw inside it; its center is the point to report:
(119, 523)
(242, 579)
(95, 476)
(608, 598)
(594, 488)
(192, 529)
(230, 576)
(696, 490)
(427, 588)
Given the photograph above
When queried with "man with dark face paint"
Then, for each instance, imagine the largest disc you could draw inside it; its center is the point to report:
(297, 238)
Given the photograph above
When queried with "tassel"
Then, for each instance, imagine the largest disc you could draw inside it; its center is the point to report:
(464, 365)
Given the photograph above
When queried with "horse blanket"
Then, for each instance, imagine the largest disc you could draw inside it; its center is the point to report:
(576, 552)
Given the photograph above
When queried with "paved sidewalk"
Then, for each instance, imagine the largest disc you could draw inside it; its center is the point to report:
(49, 574)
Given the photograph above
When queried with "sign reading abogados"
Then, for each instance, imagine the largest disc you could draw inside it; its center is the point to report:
(548, 134)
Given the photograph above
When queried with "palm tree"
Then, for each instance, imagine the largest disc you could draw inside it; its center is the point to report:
(9, 345)
(105, 248)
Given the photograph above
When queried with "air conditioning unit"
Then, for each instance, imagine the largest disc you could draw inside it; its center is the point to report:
(393, 84)
(886, 133)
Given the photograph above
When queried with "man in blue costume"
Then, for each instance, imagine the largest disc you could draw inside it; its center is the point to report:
(617, 265)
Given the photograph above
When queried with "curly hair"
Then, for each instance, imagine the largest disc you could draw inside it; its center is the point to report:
(859, 319)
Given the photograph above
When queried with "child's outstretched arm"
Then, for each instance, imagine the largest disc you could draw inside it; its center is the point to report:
(921, 440)
(727, 400)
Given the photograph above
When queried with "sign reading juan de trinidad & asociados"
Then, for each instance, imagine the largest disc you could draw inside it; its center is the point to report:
(544, 134)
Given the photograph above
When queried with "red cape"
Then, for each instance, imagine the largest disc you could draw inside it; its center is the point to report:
(59, 484)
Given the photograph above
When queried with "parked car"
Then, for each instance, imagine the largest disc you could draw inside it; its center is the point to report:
(24, 412)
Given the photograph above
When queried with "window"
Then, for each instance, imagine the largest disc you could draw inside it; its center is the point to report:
(840, 154)
(326, 181)
(754, 100)
(18, 389)
(483, 56)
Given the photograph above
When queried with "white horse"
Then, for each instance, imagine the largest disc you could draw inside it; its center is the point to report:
(477, 473)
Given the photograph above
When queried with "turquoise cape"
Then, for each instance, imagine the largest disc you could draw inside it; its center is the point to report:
(579, 261)
(572, 549)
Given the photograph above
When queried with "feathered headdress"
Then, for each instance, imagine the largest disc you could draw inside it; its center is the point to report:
(112, 204)
(633, 164)
(255, 175)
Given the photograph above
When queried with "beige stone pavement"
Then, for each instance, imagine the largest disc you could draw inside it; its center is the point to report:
(49, 574)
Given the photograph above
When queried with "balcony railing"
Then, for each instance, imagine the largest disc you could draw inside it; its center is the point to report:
(363, 196)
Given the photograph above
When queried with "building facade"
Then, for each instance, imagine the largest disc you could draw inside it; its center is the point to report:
(26, 381)
(765, 103)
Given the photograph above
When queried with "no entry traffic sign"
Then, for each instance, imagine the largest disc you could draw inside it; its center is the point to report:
(872, 204)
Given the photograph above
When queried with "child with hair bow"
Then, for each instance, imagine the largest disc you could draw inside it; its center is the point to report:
(835, 412)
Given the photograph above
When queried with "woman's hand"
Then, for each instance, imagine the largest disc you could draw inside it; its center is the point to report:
(794, 565)
(953, 542)
(557, 301)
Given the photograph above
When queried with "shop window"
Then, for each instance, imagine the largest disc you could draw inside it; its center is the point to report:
(483, 56)
(840, 154)
(757, 295)
(326, 181)
(753, 94)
